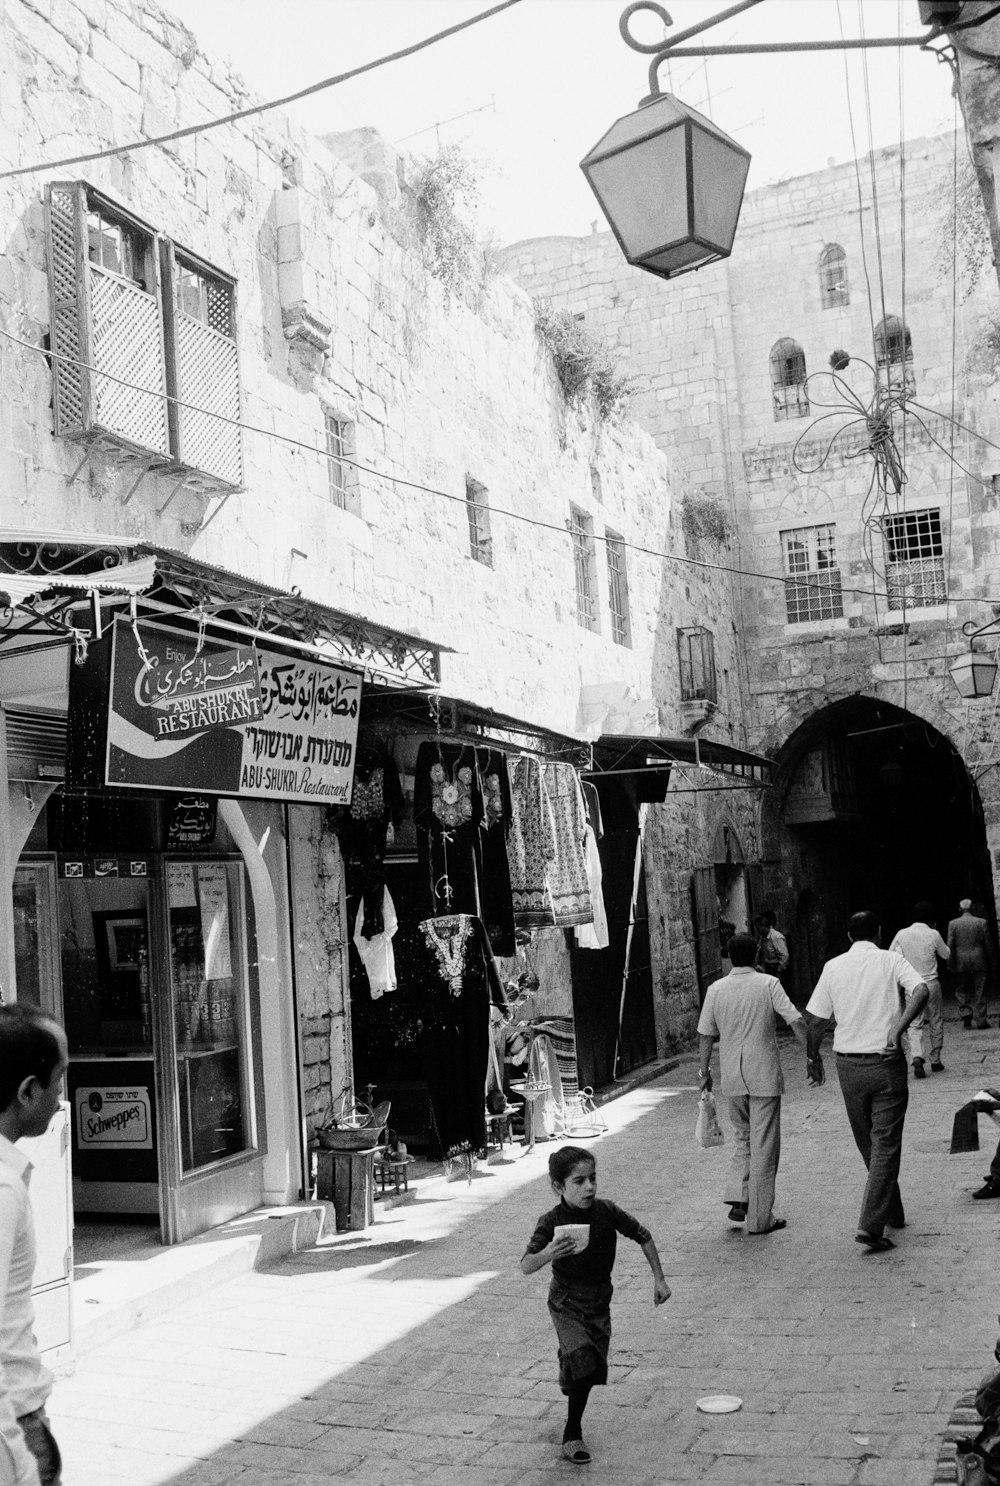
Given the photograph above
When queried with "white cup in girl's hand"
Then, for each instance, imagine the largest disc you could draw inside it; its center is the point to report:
(578, 1232)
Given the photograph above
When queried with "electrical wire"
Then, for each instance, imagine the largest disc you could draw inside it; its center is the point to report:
(259, 108)
(286, 439)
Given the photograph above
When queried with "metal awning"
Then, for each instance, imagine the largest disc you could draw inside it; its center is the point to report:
(616, 753)
(48, 576)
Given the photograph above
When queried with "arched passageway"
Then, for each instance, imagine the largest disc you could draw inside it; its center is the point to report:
(874, 808)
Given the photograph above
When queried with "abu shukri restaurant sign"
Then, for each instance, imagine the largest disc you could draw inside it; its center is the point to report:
(227, 720)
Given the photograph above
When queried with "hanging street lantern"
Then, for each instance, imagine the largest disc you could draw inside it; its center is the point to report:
(974, 674)
(669, 182)
(671, 186)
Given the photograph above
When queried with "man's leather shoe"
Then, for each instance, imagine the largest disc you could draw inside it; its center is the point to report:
(937, 1067)
(918, 1068)
(991, 1189)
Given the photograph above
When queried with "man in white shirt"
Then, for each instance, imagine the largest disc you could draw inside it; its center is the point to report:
(873, 995)
(923, 946)
(739, 1010)
(33, 1058)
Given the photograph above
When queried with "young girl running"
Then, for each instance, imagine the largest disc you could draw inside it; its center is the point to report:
(581, 1289)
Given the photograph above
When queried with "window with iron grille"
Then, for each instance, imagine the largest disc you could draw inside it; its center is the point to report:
(833, 286)
(621, 624)
(696, 651)
(788, 380)
(914, 560)
(477, 505)
(340, 454)
(812, 578)
(145, 334)
(581, 529)
(894, 355)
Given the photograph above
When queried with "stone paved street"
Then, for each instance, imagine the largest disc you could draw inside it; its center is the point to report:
(415, 1352)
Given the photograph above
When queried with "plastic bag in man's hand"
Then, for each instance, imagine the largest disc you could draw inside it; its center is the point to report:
(708, 1131)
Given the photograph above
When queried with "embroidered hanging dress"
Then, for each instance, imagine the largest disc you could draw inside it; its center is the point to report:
(448, 814)
(361, 828)
(569, 887)
(531, 845)
(461, 980)
(494, 884)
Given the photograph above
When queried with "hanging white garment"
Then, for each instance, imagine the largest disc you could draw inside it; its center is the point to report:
(376, 953)
(595, 935)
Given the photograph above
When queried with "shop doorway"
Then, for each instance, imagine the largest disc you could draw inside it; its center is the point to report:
(149, 962)
(877, 811)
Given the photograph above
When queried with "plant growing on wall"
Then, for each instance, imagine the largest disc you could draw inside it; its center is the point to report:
(585, 364)
(703, 521)
(445, 196)
(966, 245)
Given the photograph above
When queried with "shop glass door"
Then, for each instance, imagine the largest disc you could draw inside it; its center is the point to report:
(214, 1171)
(36, 940)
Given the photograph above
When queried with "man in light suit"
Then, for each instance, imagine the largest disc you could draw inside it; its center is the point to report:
(971, 957)
(740, 1011)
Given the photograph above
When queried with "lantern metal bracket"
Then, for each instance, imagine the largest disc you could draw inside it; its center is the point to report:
(664, 51)
(972, 631)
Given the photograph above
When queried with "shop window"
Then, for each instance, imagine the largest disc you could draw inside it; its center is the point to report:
(812, 578)
(894, 355)
(477, 505)
(833, 286)
(341, 450)
(696, 652)
(135, 323)
(581, 529)
(914, 560)
(621, 624)
(788, 380)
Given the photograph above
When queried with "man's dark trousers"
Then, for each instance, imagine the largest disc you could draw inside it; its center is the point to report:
(876, 1093)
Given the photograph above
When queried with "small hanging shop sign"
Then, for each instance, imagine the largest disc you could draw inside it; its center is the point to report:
(217, 720)
(191, 824)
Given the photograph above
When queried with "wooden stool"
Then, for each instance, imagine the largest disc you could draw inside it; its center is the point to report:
(394, 1171)
(345, 1178)
(498, 1126)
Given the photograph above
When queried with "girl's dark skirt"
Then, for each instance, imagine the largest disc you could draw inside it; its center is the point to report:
(581, 1315)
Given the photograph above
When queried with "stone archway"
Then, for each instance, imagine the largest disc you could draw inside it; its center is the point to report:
(874, 808)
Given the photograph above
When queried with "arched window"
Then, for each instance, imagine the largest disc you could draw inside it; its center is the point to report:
(788, 380)
(894, 355)
(833, 285)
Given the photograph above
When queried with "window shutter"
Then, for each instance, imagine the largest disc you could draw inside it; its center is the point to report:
(109, 323)
(204, 371)
(705, 916)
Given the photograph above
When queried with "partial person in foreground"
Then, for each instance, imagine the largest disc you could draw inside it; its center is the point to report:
(864, 992)
(923, 946)
(33, 1059)
(740, 1010)
(581, 1289)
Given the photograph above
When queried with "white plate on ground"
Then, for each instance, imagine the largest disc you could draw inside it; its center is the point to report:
(719, 1403)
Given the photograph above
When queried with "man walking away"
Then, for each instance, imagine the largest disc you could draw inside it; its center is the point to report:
(971, 957)
(864, 992)
(740, 1009)
(772, 946)
(32, 1064)
(923, 946)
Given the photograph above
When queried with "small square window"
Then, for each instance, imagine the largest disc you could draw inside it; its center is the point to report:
(477, 506)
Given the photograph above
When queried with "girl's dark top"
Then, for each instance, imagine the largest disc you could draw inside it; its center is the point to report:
(594, 1265)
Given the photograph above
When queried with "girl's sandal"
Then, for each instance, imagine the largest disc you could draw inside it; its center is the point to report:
(576, 1451)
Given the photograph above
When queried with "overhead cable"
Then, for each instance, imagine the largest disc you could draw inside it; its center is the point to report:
(259, 108)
